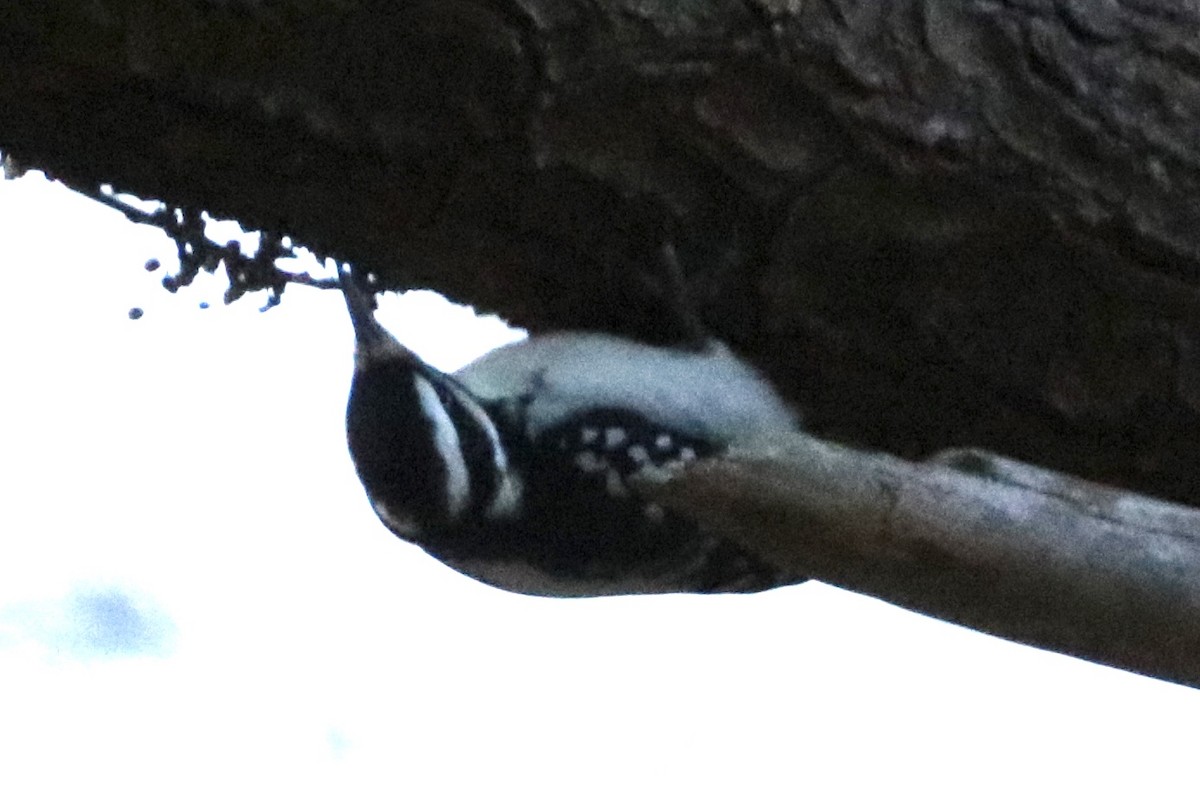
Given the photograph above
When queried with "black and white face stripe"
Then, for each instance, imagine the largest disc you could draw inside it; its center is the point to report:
(448, 446)
(427, 452)
(476, 463)
(503, 493)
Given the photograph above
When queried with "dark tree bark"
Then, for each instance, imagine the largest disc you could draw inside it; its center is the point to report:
(933, 223)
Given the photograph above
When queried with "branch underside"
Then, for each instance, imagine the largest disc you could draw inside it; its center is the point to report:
(933, 224)
(986, 542)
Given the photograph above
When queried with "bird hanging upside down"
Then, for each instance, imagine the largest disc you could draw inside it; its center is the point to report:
(515, 470)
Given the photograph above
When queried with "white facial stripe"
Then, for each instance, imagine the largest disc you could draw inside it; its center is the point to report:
(445, 439)
(508, 490)
(485, 422)
(507, 496)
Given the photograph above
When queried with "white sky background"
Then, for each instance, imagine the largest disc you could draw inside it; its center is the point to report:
(197, 601)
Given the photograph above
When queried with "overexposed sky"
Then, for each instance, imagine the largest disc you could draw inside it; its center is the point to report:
(197, 601)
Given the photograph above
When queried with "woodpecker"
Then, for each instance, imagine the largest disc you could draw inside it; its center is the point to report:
(515, 470)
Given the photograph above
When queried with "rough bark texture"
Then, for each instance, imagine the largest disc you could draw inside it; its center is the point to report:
(934, 223)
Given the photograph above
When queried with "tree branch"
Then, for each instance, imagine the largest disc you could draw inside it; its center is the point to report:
(972, 538)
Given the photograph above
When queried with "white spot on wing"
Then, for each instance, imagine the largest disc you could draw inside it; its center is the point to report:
(445, 439)
(614, 438)
(663, 442)
(639, 454)
(589, 435)
(590, 462)
(614, 485)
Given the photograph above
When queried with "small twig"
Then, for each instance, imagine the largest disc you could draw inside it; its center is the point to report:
(246, 273)
(304, 279)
